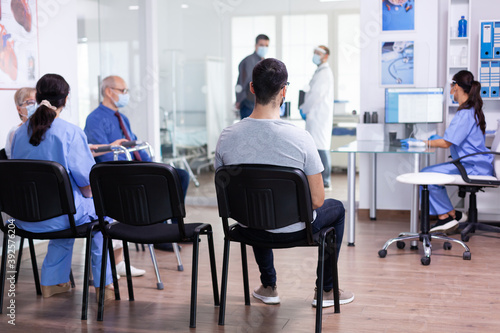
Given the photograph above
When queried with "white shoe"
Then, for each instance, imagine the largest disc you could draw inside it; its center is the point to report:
(120, 270)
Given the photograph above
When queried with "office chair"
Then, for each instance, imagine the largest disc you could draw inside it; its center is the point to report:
(472, 185)
(424, 179)
(140, 196)
(34, 191)
(268, 197)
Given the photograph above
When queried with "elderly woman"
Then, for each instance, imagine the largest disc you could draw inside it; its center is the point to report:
(26, 106)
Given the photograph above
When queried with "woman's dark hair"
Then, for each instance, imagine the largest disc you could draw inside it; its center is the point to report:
(269, 76)
(54, 89)
(465, 80)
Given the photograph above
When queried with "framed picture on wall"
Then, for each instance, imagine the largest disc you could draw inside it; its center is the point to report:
(396, 63)
(398, 15)
(18, 44)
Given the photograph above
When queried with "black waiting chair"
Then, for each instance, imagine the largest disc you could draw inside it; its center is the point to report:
(34, 191)
(268, 197)
(140, 196)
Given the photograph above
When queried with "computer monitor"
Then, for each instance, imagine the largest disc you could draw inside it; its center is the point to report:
(413, 105)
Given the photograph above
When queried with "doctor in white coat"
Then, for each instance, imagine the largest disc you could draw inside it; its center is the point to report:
(317, 109)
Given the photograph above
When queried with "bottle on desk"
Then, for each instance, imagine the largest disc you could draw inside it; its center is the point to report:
(374, 119)
(367, 117)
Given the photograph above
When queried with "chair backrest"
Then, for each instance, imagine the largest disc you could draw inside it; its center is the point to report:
(137, 193)
(263, 196)
(3, 154)
(34, 191)
(495, 147)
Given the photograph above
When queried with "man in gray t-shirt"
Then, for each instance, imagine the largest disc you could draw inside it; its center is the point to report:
(263, 138)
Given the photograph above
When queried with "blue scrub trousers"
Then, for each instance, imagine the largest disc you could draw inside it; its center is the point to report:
(332, 213)
(57, 263)
(439, 203)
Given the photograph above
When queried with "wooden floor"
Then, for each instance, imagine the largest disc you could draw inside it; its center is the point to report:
(394, 294)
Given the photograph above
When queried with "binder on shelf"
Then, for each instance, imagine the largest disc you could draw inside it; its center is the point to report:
(486, 40)
(496, 40)
(495, 79)
(484, 79)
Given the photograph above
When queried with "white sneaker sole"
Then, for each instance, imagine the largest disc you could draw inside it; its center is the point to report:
(265, 299)
(447, 227)
(330, 303)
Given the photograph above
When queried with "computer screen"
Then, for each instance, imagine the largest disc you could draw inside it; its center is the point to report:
(413, 105)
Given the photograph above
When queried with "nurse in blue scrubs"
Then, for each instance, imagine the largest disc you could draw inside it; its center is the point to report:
(464, 136)
(45, 136)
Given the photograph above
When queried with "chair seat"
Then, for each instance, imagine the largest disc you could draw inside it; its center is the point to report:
(238, 234)
(151, 234)
(81, 232)
(425, 178)
(458, 180)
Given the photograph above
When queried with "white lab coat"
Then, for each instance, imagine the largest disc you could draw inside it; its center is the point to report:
(318, 107)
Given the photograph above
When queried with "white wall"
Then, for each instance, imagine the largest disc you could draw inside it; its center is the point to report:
(391, 194)
(57, 54)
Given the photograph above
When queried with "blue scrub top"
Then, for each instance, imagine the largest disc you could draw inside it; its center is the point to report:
(396, 17)
(103, 127)
(467, 138)
(66, 144)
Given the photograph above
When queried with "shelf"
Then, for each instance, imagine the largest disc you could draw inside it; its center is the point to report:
(459, 38)
(458, 67)
(491, 99)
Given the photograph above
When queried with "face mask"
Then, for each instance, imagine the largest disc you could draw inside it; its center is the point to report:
(122, 100)
(262, 51)
(31, 109)
(317, 59)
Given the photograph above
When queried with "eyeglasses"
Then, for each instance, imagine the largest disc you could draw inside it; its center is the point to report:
(286, 85)
(123, 91)
(27, 102)
(453, 83)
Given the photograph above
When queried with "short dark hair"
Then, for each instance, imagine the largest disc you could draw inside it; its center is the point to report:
(261, 37)
(269, 76)
(327, 50)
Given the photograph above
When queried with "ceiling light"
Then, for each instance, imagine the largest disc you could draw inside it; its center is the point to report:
(133, 7)
(184, 6)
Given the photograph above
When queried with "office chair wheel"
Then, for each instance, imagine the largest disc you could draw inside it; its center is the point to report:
(447, 246)
(466, 255)
(400, 244)
(465, 238)
(382, 253)
(426, 260)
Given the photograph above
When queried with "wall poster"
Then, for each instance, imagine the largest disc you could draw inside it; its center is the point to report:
(19, 44)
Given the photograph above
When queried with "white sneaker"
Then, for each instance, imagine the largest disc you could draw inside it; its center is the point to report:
(120, 270)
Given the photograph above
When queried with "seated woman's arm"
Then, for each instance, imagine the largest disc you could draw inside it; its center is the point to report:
(438, 143)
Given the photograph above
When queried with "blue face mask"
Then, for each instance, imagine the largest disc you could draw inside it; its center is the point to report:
(31, 109)
(317, 59)
(262, 51)
(122, 100)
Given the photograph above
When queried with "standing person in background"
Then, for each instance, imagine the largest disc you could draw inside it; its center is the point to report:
(244, 98)
(317, 109)
(26, 106)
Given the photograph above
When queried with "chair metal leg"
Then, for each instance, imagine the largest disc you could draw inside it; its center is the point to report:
(213, 267)
(3, 269)
(194, 280)
(111, 251)
(223, 287)
(319, 289)
(86, 282)
(244, 266)
(19, 256)
(102, 283)
(159, 284)
(129, 274)
(35, 267)
(332, 241)
(71, 278)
